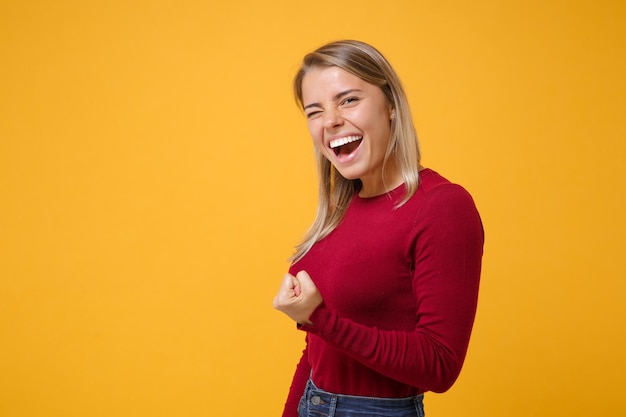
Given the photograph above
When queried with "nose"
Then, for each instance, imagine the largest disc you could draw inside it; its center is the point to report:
(332, 118)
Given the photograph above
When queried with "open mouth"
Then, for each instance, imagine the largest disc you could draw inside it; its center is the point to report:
(345, 146)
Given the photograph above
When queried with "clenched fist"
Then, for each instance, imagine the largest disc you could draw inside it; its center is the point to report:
(298, 297)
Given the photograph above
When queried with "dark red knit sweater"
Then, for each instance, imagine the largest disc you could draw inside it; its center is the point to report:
(400, 288)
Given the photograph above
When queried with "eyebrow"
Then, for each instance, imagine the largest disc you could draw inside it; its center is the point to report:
(337, 97)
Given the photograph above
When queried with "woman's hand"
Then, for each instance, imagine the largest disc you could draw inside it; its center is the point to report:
(298, 297)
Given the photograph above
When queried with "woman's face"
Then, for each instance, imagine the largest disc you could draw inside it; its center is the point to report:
(349, 120)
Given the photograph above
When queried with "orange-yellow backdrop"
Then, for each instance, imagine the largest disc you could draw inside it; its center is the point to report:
(155, 174)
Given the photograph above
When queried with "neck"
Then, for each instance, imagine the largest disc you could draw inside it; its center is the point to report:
(372, 187)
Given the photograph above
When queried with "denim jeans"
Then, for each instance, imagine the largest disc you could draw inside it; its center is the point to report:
(318, 403)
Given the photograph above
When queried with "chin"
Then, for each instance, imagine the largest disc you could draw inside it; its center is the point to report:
(348, 175)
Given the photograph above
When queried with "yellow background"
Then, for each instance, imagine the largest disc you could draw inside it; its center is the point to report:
(155, 175)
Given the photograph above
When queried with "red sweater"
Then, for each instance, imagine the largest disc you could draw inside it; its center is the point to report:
(400, 288)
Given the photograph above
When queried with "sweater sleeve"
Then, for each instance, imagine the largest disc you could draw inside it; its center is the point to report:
(447, 252)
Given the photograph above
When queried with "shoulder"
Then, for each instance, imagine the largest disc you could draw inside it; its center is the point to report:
(432, 185)
(441, 198)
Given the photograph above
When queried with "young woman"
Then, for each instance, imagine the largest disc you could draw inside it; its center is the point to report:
(385, 283)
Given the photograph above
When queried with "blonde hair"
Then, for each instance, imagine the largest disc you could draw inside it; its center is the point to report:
(335, 192)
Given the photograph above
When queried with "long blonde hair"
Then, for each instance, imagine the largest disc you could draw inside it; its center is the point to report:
(335, 192)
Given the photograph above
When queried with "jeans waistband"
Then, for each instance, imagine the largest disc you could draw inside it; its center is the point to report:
(316, 397)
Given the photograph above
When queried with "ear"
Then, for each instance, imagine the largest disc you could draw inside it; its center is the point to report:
(392, 114)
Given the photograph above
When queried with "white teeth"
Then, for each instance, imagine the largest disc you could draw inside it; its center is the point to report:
(343, 141)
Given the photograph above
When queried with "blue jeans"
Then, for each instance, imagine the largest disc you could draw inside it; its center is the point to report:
(318, 403)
